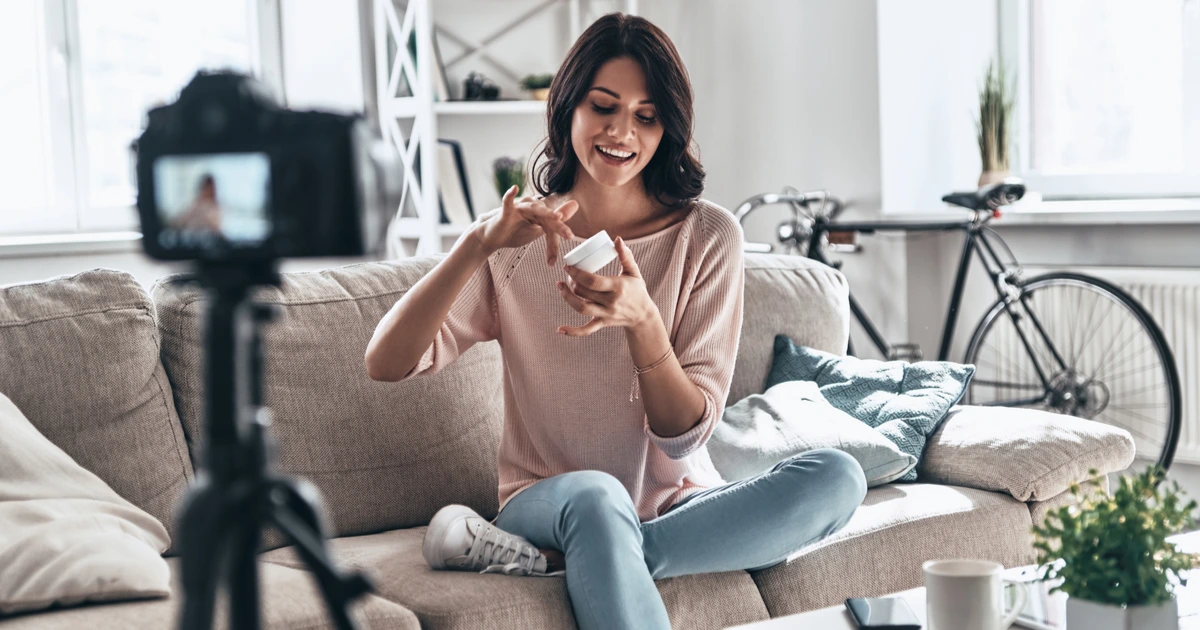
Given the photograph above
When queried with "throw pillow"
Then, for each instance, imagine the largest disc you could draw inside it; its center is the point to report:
(903, 401)
(1030, 454)
(761, 430)
(65, 536)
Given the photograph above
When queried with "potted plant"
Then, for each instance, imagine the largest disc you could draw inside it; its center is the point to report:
(1112, 555)
(994, 124)
(538, 85)
(508, 172)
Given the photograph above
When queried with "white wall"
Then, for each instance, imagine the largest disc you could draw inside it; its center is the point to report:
(322, 66)
(787, 94)
(932, 57)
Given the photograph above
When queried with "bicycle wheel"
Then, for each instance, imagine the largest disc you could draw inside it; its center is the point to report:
(1074, 344)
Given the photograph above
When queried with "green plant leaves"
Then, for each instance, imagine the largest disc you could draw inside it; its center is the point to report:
(1113, 549)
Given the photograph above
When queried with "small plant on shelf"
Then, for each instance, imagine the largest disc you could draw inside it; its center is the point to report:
(994, 125)
(538, 85)
(508, 173)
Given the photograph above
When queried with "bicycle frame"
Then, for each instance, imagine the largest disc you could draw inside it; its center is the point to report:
(975, 242)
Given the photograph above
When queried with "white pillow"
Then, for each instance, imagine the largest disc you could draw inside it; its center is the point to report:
(792, 417)
(65, 536)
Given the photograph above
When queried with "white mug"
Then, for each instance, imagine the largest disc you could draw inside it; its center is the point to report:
(962, 594)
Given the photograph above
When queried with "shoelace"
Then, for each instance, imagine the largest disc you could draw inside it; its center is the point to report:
(493, 547)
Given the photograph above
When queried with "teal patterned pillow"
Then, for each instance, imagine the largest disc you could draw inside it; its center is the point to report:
(904, 401)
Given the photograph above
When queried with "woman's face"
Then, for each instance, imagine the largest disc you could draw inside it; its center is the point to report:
(615, 129)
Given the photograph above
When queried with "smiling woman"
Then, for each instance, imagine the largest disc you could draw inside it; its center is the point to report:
(601, 94)
(614, 379)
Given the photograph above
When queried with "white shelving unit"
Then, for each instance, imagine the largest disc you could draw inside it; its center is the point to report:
(397, 21)
(490, 107)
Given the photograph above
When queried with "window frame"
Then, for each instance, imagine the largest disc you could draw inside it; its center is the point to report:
(61, 84)
(1014, 25)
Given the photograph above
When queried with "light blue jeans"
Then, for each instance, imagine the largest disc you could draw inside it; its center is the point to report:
(612, 560)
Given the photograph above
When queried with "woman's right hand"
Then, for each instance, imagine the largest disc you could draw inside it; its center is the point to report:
(521, 221)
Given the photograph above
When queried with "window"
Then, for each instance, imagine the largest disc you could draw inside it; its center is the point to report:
(1108, 95)
(76, 81)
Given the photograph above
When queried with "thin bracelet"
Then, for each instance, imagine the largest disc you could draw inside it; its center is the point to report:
(635, 391)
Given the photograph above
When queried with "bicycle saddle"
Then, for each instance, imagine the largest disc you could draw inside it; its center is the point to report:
(989, 197)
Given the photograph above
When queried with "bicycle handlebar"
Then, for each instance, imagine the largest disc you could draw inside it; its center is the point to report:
(794, 199)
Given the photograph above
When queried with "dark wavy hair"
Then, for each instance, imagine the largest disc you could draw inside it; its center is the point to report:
(674, 175)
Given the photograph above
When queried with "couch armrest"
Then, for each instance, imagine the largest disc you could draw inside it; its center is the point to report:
(1039, 509)
(1031, 455)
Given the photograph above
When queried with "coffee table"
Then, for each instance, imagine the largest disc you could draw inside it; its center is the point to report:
(837, 618)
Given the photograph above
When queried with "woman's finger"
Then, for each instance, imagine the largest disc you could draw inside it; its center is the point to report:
(566, 210)
(535, 211)
(551, 246)
(590, 280)
(584, 330)
(509, 201)
(578, 304)
(604, 298)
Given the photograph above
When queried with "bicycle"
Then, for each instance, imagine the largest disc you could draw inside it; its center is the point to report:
(1048, 342)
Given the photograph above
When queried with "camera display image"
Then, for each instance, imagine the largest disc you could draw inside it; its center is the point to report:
(202, 197)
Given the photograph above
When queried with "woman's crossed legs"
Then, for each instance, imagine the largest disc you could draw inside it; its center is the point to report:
(612, 560)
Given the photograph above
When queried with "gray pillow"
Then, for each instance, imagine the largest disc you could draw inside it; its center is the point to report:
(790, 418)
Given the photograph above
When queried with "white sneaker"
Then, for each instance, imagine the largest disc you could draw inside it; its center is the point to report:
(458, 538)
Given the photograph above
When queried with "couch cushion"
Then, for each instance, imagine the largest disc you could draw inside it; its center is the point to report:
(793, 296)
(1032, 455)
(290, 600)
(79, 355)
(383, 455)
(881, 549)
(456, 599)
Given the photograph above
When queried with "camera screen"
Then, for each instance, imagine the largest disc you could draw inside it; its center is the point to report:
(202, 197)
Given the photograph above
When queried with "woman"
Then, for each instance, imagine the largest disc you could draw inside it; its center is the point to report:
(617, 481)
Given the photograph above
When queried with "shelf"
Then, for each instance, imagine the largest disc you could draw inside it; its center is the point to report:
(410, 227)
(490, 107)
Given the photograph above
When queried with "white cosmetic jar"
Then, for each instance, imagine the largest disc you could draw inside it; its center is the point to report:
(593, 253)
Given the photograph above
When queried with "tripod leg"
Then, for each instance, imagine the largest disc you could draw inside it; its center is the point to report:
(295, 514)
(202, 545)
(244, 611)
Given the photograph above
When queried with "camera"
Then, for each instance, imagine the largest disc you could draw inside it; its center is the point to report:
(225, 174)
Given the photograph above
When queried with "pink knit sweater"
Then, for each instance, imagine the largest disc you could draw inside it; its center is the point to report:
(566, 399)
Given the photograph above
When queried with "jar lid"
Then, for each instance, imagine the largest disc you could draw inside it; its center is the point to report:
(587, 248)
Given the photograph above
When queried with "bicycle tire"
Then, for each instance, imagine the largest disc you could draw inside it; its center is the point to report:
(1065, 382)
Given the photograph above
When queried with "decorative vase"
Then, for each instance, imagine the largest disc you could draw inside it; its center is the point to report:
(540, 94)
(988, 178)
(1088, 615)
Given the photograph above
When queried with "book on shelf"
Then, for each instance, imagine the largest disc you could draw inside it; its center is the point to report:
(441, 85)
(454, 194)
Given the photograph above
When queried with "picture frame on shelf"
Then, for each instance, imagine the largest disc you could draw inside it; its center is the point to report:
(454, 193)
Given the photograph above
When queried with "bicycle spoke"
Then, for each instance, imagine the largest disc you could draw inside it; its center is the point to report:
(1024, 402)
(1123, 346)
(1085, 329)
(1094, 330)
(1011, 385)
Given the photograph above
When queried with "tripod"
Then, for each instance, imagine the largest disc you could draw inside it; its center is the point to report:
(234, 494)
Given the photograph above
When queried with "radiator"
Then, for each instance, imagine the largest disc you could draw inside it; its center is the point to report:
(1172, 296)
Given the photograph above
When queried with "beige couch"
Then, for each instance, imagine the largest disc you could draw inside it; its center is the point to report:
(113, 376)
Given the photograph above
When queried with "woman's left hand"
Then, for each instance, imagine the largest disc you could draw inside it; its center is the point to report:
(609, 300)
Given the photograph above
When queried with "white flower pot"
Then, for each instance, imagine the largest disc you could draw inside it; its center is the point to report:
(1085, 615)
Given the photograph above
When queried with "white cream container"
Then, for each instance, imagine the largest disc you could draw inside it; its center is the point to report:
(593, 253)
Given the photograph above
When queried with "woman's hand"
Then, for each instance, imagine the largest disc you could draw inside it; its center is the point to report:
(521, 221)
(609, 300)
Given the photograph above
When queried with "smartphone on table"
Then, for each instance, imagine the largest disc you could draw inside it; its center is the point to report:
(882, 613)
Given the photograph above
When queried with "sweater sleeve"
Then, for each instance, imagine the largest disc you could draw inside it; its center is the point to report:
(472, 319)
(707, 334)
